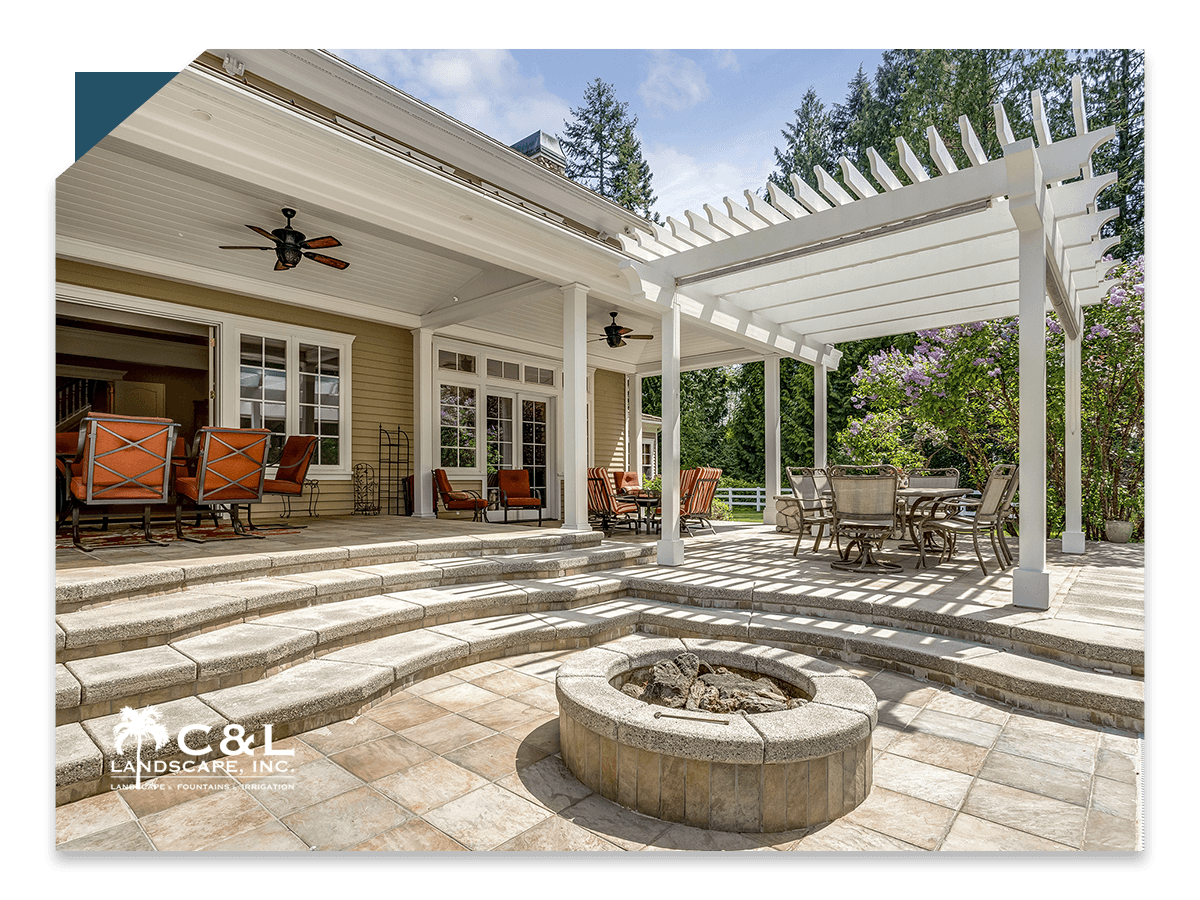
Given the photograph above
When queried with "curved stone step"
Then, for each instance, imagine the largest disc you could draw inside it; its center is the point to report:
(343, 683)
(145, 621)
(94, 586)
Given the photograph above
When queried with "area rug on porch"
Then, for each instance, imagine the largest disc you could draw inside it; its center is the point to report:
(123, 535)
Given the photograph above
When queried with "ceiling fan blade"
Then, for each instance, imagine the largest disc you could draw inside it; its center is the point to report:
(264, 233)
(244, 248)
(321, 243)
(638, 337)
(327, 260)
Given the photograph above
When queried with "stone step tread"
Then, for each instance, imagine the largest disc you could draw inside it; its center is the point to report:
(100, 583)
(357, 673)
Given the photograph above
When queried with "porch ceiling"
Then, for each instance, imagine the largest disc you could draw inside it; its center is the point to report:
(207, 155)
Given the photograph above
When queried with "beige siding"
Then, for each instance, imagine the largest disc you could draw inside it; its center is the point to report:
(381, 386)
(608, 427)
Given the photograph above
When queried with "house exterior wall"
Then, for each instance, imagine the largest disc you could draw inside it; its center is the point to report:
(608, 420)
(381, 386)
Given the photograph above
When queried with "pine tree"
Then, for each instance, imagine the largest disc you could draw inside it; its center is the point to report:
(809, 143)
(603, 151)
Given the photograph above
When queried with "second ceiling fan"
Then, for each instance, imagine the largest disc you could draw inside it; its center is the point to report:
(616, 336)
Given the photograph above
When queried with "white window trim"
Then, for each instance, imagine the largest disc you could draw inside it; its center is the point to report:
(483, 384)
(230, 328)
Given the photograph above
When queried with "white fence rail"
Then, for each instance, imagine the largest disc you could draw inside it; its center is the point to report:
(755, 497)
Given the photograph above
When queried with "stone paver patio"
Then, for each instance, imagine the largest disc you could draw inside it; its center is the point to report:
(470, 759)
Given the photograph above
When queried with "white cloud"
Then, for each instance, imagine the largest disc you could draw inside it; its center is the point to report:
(684, 181)
(727, 59)
(673, 81)
(484, 89)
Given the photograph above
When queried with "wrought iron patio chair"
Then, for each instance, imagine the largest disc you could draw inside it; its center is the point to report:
(516, 493)
(865, 511)
(122, 461)
(230, 471)
(987, 518)
(603, 506)
(458, 500)
(289, 480)
(816, 508)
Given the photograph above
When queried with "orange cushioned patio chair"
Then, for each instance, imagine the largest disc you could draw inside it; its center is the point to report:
(122, 461)
(297, 456)
(627, 483)
(604, 506)
(231, 466)
(697, 500)
(516, 493)
(458, 500)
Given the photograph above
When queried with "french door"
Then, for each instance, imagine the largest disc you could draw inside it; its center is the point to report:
(518, 437)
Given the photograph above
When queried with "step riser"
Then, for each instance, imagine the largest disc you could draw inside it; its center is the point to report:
(80, 710)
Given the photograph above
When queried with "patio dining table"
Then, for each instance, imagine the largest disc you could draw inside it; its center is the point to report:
(646, 503)
(920, 505)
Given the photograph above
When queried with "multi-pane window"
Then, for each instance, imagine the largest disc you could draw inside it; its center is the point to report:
(457, 362)
(498, 368)
(499, 433)
(458, 426)
(534, 375)
(320, 400)
(262, 393)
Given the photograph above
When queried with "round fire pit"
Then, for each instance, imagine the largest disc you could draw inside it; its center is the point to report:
(746, 772)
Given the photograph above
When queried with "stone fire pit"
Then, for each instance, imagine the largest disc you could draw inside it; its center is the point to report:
(756, 772)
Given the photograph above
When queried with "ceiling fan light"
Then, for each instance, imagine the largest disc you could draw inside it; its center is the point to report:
(290, 256)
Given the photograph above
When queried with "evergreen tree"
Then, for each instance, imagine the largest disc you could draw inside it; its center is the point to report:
(603, 151)
(632, 179)
(809, 142)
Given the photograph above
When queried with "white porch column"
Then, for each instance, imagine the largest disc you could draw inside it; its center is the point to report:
(425, 441)
(633, 428)
(820, 417)
(772, 437)
(575, 425)
(1073, 538)
(670, 546)
(1031, 580)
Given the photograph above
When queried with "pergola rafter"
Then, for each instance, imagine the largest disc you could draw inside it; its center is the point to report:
(874, 256)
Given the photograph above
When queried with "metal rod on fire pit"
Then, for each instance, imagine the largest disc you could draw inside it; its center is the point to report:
(659, 715)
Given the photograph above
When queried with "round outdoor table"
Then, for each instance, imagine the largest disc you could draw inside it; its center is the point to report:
(646, 504)
(920, 504)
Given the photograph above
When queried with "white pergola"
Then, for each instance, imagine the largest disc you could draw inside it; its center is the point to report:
(1018, 235)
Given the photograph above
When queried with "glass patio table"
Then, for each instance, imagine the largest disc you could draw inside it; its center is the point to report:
(920, 505)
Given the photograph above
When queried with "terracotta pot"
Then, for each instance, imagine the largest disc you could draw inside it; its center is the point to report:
(1118, 532)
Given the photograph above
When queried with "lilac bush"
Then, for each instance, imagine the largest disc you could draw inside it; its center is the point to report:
(958, 388)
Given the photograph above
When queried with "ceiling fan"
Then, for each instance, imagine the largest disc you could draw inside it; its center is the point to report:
(616, 336)
(290, 245)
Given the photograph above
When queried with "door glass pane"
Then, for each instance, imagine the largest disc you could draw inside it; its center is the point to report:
(534, 452)
(499, 433)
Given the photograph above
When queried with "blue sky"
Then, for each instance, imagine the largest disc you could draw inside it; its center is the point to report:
(709, 120)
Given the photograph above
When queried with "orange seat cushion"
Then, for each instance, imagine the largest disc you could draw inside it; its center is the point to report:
(271, 486)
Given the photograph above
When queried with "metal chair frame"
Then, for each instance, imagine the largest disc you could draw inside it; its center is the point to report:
(210, 440)
(808, 483)
(990, 513)
(867, 518)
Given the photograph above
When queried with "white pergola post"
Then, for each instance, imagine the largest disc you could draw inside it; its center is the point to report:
(1073, 538)
(633, 428)
(425, 445)
(820, 417)
(670, 546)
(1031, 580)
(575, 430)
(772, 437)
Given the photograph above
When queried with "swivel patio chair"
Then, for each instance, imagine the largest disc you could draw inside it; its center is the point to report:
(697, 501)
(122, 461)
(816, 509)
(458, 500)
(604, 507)
(297, 455)
(865, 511)
(516, 493)
(230, 471)
(988, 517)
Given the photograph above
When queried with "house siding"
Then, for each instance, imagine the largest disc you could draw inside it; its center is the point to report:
(608, 428)
(381, 386)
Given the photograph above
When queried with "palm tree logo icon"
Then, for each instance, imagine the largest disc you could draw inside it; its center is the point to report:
(139, 725)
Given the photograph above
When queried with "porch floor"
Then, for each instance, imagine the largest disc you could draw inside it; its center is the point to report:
(469, 759)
